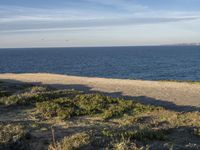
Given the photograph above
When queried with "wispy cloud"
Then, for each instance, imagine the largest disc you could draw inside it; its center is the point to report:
(18, 19)
(83, 24)
(124, 5)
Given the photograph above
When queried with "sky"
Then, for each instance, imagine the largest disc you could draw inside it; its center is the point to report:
(80, 23)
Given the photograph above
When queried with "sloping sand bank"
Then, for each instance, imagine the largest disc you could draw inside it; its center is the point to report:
(173, 95)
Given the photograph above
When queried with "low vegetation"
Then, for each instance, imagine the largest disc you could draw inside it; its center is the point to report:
(40, 117)
(76, 141)
(31, 96)
(13, 137)
(89, 104)
(197, 132)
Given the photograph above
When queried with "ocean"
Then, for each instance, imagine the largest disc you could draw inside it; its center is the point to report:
(144, 62)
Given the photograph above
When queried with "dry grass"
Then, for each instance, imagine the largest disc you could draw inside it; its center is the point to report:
(13, 136)
(73, 142)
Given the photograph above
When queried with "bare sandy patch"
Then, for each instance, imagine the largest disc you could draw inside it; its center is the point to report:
(169, 94)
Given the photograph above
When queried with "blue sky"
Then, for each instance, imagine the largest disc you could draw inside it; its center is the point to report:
(47, 23)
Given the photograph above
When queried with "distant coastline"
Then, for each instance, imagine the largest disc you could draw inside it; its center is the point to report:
(109, 46)
(184, 44)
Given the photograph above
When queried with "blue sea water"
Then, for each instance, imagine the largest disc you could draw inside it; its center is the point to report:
(148, 62)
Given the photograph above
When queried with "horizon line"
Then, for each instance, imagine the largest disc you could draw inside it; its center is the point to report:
(148, 45)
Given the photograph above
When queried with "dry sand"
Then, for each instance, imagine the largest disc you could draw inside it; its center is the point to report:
(173, 95)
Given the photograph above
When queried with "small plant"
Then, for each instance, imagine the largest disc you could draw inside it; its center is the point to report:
(73, 142)
(126, 145)
(149, 134)
(13, 136)
(197, 132)
(140, 108)
(38, 89)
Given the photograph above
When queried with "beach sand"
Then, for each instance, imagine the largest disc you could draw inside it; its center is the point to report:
(172, 95)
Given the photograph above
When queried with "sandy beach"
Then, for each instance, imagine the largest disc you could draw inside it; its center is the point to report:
(173, 95)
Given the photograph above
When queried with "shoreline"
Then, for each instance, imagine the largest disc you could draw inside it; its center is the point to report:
(171, 94)
(128, 79)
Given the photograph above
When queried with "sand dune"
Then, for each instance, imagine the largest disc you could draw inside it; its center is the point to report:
(169, 94)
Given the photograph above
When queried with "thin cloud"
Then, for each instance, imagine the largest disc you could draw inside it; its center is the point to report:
(126, 5)
(83, 24)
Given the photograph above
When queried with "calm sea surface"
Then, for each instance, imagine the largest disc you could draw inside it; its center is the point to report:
(149, 63)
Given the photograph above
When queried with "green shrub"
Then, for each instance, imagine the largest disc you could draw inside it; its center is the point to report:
(148, 134)
(91, 103)
(140, 108)
(139, 134)
(66, 113)
(62, 107)
(113, 111)
(117, 110)
(48, 109)
(19, 99)
(29, 98)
